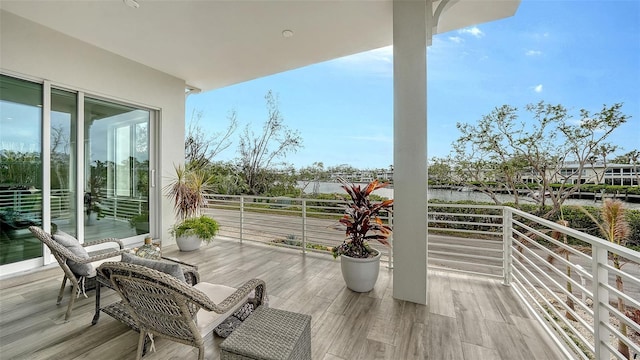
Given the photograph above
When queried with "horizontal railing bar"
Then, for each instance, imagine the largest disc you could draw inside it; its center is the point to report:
(619, 336)
(557, 298)
(615, 248)
(551, 327)
(552, 268)
(626, 276)
(550, 239)
(466, 256)
(622, 317)
(558, 315)
(458, 262)
(467, 272)
(618, 293)
(465, 247)
(479, 232)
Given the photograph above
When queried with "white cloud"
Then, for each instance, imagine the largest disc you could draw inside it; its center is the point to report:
(456, 39)
(533, 53)
(474, 31)
(538, 88)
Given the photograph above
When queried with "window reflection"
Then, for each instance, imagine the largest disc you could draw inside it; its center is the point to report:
(20, 168)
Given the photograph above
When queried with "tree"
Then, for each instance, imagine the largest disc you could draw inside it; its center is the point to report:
(501, 151)
(260, 154)
(201, 147)
(313, 174)
(601, 153)
(440, 170)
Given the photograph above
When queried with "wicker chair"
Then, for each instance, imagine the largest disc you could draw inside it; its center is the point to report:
(165, 307)
(62, 254)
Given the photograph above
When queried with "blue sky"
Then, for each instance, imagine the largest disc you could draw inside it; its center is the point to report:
(581, 54)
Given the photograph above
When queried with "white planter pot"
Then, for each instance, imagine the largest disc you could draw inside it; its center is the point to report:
(91, 218)
(188, 243)
(360, 274)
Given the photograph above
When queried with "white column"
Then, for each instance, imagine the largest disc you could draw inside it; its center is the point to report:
(410, 24)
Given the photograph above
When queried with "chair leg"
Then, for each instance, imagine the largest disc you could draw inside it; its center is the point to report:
(72, 300)
(143, 335)
(61, 293)
(201, 352)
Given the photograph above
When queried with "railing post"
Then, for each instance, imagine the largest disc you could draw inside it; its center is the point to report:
(390, 240)
(304, 226)
(507, 230)
(241, 217)
(600, 295)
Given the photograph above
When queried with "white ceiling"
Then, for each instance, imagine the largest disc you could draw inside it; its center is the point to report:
(215, 43)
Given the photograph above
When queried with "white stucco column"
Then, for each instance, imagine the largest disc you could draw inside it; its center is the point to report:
(410, 21)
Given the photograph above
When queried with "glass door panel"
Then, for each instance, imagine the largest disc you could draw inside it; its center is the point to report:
(116, 168)
(20, 168)
(64, 113)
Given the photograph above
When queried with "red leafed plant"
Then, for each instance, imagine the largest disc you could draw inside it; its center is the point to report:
(362, 221)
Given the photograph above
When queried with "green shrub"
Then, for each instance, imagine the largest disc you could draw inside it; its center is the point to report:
(203, 227)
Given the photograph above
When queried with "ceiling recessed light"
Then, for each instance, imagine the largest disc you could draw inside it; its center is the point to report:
(131, 3)
(287, 33)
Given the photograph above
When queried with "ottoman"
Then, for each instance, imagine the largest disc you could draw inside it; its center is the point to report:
(270, 334)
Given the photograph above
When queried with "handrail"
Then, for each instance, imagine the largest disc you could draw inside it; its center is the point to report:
(555, 280)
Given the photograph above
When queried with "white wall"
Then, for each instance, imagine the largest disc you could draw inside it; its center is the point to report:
(39, 53)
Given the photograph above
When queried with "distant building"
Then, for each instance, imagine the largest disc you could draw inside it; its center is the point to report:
(596, 173)
(364, 176)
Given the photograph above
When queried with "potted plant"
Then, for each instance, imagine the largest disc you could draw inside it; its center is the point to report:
(359, 261)
(140, 223)
(96, 181)
(187, 190)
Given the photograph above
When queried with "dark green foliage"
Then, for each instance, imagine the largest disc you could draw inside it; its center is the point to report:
(577, 219)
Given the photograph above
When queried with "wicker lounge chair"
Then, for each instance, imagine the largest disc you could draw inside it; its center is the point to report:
(63, 255)
(166, 307)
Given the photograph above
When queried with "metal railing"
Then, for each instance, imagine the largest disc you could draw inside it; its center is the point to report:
(566, 278)
(569, 279)
(307, 224)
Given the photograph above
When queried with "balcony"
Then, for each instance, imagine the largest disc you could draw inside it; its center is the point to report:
(493, 294)
(467, 316)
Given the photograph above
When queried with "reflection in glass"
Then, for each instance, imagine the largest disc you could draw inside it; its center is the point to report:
(20, 168)
(116, 192)
(64, 110)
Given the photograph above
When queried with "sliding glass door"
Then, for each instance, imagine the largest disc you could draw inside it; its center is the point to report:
(91, 169)
(116, 168)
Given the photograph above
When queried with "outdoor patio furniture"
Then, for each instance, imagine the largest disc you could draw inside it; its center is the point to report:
(270, 334)
(117, 310)
(164, 306)
(66, 257)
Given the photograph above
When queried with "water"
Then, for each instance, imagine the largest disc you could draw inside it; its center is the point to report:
(454, 195)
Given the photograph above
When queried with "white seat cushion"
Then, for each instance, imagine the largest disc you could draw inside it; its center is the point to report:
(208, 320)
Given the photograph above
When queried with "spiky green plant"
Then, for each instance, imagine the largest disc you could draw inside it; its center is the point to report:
(362, 221)
(187, 190)
(614, 227)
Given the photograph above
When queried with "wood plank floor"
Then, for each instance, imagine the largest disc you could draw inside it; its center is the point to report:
(468, 318)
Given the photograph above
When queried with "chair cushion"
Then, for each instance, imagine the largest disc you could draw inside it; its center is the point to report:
(208, 320)
(170, 268)
(72, 244)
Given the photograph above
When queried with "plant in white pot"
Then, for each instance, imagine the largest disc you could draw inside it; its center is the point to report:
(360, 262)
(187, 190)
